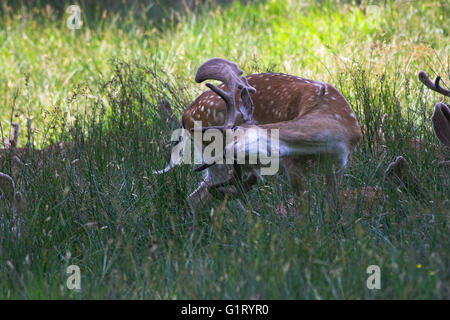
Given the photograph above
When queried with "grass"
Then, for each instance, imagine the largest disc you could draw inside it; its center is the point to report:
(98, 206)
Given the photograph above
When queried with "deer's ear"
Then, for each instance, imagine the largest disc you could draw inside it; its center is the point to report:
(246, 106)
(441, 123)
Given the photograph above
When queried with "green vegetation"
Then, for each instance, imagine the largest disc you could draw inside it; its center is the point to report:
(97, 204)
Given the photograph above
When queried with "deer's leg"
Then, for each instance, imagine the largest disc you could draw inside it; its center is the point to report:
(298, 167)
(199, 196)
(295, 171)
(219, 181)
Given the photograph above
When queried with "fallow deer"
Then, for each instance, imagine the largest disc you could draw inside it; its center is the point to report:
(17, 156)
(314, 121)
(398, 171)
(441, 115)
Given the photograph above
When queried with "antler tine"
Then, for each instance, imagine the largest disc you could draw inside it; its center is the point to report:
(433, 86)
(426, 81)
(439, 88)
(228, 73)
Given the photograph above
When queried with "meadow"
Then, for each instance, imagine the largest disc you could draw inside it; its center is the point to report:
(98, 205)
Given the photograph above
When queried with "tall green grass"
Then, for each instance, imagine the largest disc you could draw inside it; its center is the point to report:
(46, 61)
(98, 206)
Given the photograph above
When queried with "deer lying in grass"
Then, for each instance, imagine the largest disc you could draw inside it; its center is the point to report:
(398, 171)
(7, 185)
(313, 120)
(16, 156)
(8, 190)
(8, 193)
(441, 115)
